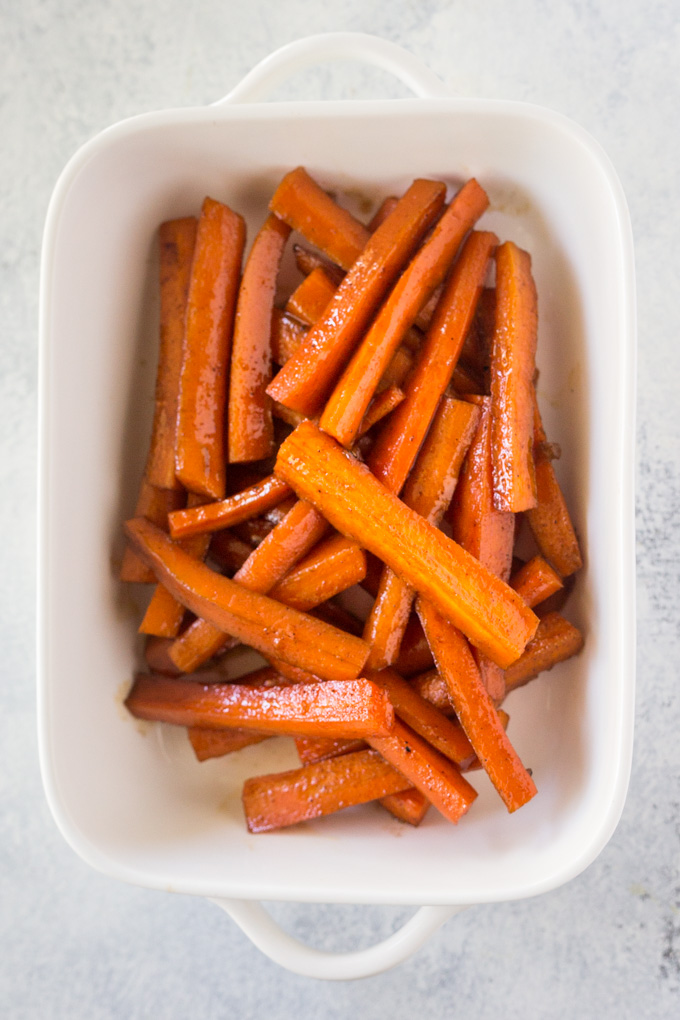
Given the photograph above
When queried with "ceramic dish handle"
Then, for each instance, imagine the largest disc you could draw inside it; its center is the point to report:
(264, 932)
(331, 46)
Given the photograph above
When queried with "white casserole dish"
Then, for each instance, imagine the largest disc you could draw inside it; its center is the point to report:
(137, 806)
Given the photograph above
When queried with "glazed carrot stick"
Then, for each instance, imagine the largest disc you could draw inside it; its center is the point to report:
(209, 517)
(513, 365)
(284, 798)
(349, 708)
(229, 551)
(307, 260)
(306, 379)
(350, 398)
(414, 654)
(535, 581)
(428, 770)
(356, 504)
(428, 491)
(382, 212)
(155, 504)
(488, 534)
(433, 688)
(157, 658)
(398, 369)
(251, 431)
(176, 241)
(409, 806)
(475, 709)
(304, 206)
(287, 335)
(313, 749)
(200, 454)
(266, 625)
(311, 298)
(279, 551)
(424, 718)
(401, 436)
(382, 404)
(335, 565)
(555, 640)
(549, 519)
(216, 743)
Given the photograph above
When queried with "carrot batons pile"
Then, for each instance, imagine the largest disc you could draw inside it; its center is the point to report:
(374, 424)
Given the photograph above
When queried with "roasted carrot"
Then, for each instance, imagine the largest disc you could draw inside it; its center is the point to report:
(475, 709)
(513, 365)
(155, 504)
(414, 654)
(349, 708)
(433, 688)
(311, 298)
(555, 640)
(535, 581)
(382, 212)
(267, 625)
(428, 491)
(429, 771)
(424, 718)
(549, 519)
(225, 513)
(157, 656)
(307, 260)
(280, 550)
(287, 335)
(176, 241)
(229, 551)
(313, 749)
(382, 404)
(401, 436)
(409, 806)
(251, 431)
(350, 398)
(216, 743)
(333, 566)
(200, 453)
(306, 379)
(304, 206)
(285, 798)
(493, 616)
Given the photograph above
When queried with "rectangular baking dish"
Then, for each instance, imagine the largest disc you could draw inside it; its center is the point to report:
(131, 800)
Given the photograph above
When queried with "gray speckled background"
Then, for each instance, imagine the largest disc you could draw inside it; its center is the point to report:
(76, 944)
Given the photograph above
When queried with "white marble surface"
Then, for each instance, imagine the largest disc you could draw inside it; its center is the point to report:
(76, 944)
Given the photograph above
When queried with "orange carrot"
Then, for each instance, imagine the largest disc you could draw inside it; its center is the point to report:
(400, 438)
(409, 806)
(313, 749)
(424, 718)
(270, 627)
(428, 491)
(433, 688)
(209, 517)
(535, 581)
(157, 658)
(555, 640)
(176, 239)
(382, 212)
(414, 654)
(287, 335)
(284, 798)
(304, 206)
(380, 406)
(200, 454)
(513, 365)
(229, 551)
(311, 298)
(307, 260)
(356, 504)
(306, 379)
(475, 709)
(352, 394)
(216, 743)
(549, 519)
(154, 504)
(333, 566)
(350, 708)
(251, 431)
(429, 771)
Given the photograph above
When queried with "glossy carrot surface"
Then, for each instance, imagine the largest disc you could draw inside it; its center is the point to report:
(200, 455)
(154, 504)
(209, 517)
(311, 298)
(513, 366)
(251, 431)
(176, 242)
(208, 743)
(555, 640)
(536, 581)
(307, 378)
(354, 501)
(266, 625)
(286, 336)
(333, 566)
